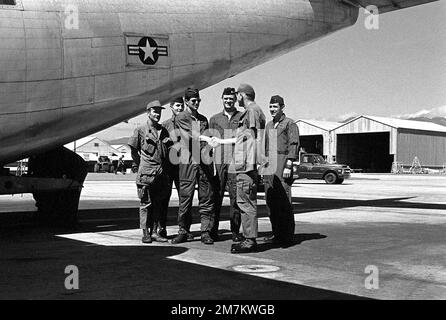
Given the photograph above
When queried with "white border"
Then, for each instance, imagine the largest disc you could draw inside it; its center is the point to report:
(18, 6)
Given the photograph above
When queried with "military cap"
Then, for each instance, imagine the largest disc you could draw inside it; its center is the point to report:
(246, 88)
(177, 100)
(277, 99)
(228, 91)
(191, 93)
(154, 104)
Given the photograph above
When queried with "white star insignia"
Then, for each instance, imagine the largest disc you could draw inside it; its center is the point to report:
(148, 51)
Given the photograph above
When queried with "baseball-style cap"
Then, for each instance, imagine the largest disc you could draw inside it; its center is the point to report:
(277, 99)
(154, 104)
(191, 93)
(246, 88)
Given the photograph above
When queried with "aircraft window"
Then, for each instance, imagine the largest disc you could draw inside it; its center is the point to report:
(8, 2)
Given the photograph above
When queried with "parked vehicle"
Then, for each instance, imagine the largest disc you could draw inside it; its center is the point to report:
(314, 166)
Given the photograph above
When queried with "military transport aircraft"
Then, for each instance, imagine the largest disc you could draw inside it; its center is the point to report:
(70, 68)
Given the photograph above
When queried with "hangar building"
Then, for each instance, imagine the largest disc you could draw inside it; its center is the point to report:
(315, 136)
(374, 143)
(90, 148)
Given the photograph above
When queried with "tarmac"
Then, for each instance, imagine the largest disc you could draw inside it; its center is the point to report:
(375, 236)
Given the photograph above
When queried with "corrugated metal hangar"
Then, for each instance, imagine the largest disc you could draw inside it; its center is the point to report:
(315, 136)
(374, 143)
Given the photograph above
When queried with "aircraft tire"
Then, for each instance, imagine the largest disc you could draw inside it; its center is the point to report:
(58, 208)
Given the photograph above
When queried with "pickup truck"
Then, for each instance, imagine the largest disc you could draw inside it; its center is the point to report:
(314, 166)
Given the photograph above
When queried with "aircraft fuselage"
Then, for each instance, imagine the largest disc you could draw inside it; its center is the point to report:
(72, 68)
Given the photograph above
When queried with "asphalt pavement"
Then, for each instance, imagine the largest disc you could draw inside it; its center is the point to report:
(375, 236)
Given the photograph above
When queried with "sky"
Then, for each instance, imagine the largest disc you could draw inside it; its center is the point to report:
(397, 70)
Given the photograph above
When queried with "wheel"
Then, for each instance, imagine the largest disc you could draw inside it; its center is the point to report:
(340, 181)
(330, 178)
(58, 207)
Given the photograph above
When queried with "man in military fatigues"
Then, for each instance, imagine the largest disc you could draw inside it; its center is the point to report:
(177, 106)
(149, 145)
(226, 124)
(193, 169)
(247, 142)
(281, 152)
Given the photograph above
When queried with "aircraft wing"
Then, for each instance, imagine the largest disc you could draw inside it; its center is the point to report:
(388, 5)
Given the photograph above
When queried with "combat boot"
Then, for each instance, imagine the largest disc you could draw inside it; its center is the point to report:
(271, 239)
(246, 246)
(181, 237)
(162, 232)
(146, 238)
(206, 238)
(158, 238)
(156, 234)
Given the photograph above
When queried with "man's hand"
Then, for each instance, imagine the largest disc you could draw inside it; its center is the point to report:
(214, 142)
(287, 173)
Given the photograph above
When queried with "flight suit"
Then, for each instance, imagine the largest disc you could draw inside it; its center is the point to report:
(152, 141)
(193, 170)
(226, 128)
(172, 168)
(245, 162)
(278, 189)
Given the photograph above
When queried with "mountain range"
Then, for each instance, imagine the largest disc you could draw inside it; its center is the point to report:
(437, 120)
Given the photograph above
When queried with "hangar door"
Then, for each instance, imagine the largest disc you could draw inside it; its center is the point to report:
(366, 151)
(312, 144)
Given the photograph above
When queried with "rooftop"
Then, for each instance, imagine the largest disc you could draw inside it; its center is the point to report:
(324, 125)
(405, 124)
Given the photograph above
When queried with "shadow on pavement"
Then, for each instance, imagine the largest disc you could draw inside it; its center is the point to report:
(316, 204)
(298, 239)
(33, 266)
(94, 220)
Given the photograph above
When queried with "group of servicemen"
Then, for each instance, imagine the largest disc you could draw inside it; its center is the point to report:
(227, 152)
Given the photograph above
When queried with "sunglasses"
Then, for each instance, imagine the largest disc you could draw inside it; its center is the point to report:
(195, 101)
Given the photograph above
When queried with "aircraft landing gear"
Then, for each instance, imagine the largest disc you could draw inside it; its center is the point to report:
(58, 207)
